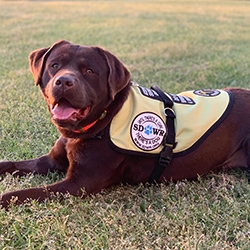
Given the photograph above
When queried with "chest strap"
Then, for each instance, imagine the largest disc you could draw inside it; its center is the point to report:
(168, 143)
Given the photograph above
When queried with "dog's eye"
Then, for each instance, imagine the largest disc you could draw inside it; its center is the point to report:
(89, 71)
(55, 65)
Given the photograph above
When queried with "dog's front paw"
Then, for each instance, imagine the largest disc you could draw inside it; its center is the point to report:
(6, 199)
(7, 167)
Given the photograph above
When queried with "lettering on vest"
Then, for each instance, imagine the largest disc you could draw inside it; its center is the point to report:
(176, 98)
(182, 99)
(147, 131)
(149, 93)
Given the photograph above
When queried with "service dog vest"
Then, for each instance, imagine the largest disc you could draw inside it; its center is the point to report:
(140, 126)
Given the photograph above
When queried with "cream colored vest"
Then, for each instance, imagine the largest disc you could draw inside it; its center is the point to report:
(140, 125)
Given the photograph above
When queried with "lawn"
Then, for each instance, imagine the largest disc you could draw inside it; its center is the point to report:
(177, 45)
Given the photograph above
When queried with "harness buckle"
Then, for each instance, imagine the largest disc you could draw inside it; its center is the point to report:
(166, 155)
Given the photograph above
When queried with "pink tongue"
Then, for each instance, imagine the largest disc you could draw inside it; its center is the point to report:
(63, 110)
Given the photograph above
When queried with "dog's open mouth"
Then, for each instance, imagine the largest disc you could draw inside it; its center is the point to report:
(63, 110)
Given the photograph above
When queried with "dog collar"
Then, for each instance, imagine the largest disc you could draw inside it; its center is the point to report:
(87, 127)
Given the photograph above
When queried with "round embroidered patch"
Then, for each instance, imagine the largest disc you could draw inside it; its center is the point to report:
(207, 92)
(147, 131)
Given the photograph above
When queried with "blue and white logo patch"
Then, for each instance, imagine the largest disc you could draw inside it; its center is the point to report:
(147, 131)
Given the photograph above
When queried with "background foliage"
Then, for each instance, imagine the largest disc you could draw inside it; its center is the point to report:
(177, 45)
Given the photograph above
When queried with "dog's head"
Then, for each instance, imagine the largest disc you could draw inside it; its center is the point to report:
(78, 82)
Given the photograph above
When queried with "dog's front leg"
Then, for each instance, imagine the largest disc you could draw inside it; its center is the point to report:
(90, 170)
(40, 193)
(89, 180)
(55, 160)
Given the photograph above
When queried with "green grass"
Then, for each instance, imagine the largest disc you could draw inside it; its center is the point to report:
(177, 45)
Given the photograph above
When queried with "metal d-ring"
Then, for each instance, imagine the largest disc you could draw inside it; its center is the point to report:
(165, 111)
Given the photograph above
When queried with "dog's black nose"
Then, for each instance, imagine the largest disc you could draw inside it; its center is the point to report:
(67, 81)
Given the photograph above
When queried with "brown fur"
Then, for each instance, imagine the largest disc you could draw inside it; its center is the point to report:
(87, 159)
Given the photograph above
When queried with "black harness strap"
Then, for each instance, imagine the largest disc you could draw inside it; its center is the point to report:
(169, 140)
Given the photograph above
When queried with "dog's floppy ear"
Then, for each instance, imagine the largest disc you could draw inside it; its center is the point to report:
(119, 75)
(38, 58)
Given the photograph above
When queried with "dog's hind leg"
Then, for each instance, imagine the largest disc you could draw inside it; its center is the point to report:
(247, 147)
(241, 158)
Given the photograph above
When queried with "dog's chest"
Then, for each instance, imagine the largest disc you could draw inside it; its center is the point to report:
(140, 126)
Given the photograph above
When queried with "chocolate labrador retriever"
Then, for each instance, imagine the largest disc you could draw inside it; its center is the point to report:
(110, 134)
